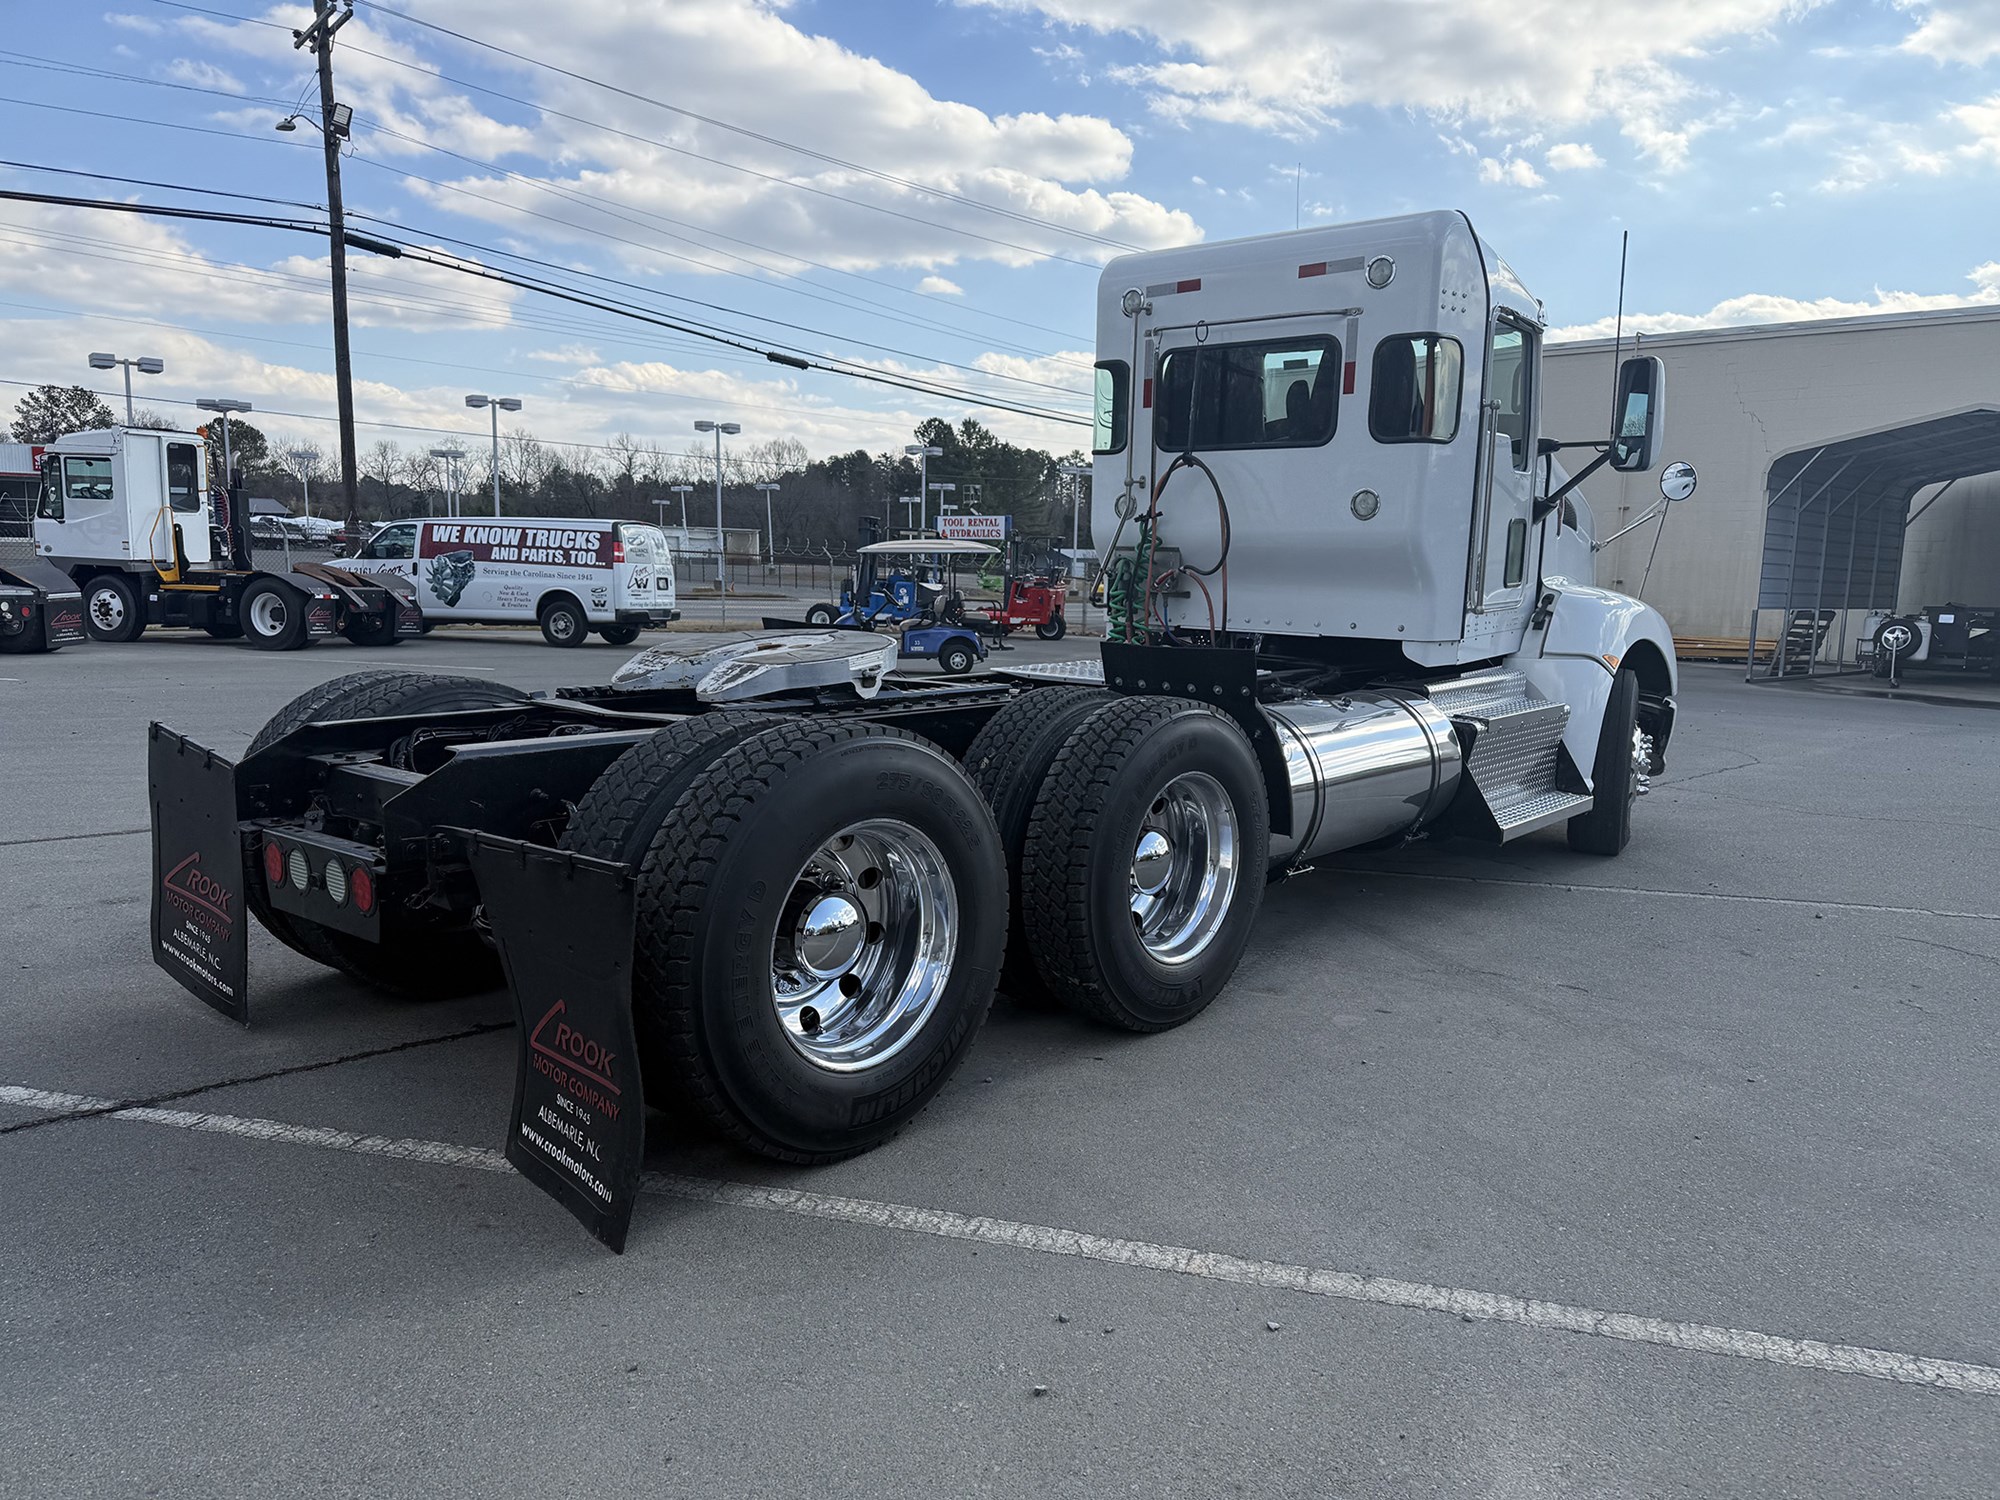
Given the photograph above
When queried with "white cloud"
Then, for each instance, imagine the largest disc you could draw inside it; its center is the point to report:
(1954, 31)
(1061, 170)
(1293, 65)
(939, 286)
(1769, 307)
(1982, 120)
(1568, 156)
(1515, 171)
(203, 75)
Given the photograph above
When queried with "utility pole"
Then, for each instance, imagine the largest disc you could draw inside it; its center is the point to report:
(318, 39)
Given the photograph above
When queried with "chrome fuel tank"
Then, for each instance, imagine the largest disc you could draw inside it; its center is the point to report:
(1363, 766)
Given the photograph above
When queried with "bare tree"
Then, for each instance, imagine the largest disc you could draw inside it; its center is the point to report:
(383, 463)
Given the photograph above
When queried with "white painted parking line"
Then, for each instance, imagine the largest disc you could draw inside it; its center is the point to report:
(1640, 890)
(1043, 1239)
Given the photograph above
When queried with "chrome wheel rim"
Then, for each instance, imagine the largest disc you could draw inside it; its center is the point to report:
(864, 945)
(1642, 762)
(267, 614)
(107, 608)
(1186, 863)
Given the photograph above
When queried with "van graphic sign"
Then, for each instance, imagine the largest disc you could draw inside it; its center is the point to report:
(449, 574)
(519, 542)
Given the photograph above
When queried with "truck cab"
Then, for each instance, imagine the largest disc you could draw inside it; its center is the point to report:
(127, 499)
(1330, 442)
(128, 515)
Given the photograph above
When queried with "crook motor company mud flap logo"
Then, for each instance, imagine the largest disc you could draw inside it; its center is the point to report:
(198, 918)
(564, 926)
(197, 896)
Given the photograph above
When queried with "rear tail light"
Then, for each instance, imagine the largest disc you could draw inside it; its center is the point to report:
(618, 552)
(361, 886)
(274, 864)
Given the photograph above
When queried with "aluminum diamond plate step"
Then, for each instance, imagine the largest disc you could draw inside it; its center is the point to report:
(1516, 762)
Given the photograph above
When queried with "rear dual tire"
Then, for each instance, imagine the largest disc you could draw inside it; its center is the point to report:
(821, 913)
(1143, 865)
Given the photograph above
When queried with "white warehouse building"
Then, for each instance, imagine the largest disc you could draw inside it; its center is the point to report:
(1846, 465)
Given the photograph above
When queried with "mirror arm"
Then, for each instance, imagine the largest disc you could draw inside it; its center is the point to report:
(1549, 502)
(1658, 507)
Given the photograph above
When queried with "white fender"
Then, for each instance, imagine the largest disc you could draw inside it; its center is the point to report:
(1574, 653)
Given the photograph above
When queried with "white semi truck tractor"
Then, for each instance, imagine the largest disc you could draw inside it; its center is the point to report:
(1351, 604)
(127, 513)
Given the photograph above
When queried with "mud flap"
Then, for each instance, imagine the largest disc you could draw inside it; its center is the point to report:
(200, 924)
(564, 926)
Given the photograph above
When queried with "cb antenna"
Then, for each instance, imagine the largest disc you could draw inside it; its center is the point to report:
(1618, 329)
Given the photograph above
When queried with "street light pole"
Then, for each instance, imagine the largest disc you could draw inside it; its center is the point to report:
(451, 456)
(147, 366)
(770, 531)
(1076, 474)
(721, 541)
(683, 490)
(496, 404)
(923, 455)
(914, 502)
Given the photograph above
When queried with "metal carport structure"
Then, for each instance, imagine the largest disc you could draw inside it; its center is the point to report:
(1834, 521)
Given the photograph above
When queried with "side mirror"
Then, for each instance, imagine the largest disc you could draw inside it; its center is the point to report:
(1677, 481)
(1641, 413)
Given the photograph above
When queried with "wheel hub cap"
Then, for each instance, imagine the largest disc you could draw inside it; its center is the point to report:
(1152, 862)
(1185, 868)
(829, 936)
(864, 945)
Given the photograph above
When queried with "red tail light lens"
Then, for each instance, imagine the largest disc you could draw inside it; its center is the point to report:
(618, 552)
(361, 886)
(274, 863)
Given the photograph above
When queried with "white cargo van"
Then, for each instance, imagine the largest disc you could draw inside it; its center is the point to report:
(569, 577)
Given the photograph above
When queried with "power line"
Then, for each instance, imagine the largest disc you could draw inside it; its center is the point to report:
(57, 65)
(830, 364)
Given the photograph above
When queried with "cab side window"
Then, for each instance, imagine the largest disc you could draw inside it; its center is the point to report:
(1414, 389)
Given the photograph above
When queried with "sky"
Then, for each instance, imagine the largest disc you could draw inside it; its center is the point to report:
(926, 189)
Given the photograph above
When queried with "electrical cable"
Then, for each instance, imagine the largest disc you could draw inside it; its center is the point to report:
(829, 364)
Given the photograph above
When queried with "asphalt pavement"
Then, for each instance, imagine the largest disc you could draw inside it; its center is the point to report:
(1497, 1172)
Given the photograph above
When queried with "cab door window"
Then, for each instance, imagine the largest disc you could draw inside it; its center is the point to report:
(1510, 375)
(183, 477)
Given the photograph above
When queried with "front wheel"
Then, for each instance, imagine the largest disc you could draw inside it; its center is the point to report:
(820, 923)
(563, 623)
(1622, 756)
(112, 609)
(1144, 865)
(273, 616)
(1054, 628)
